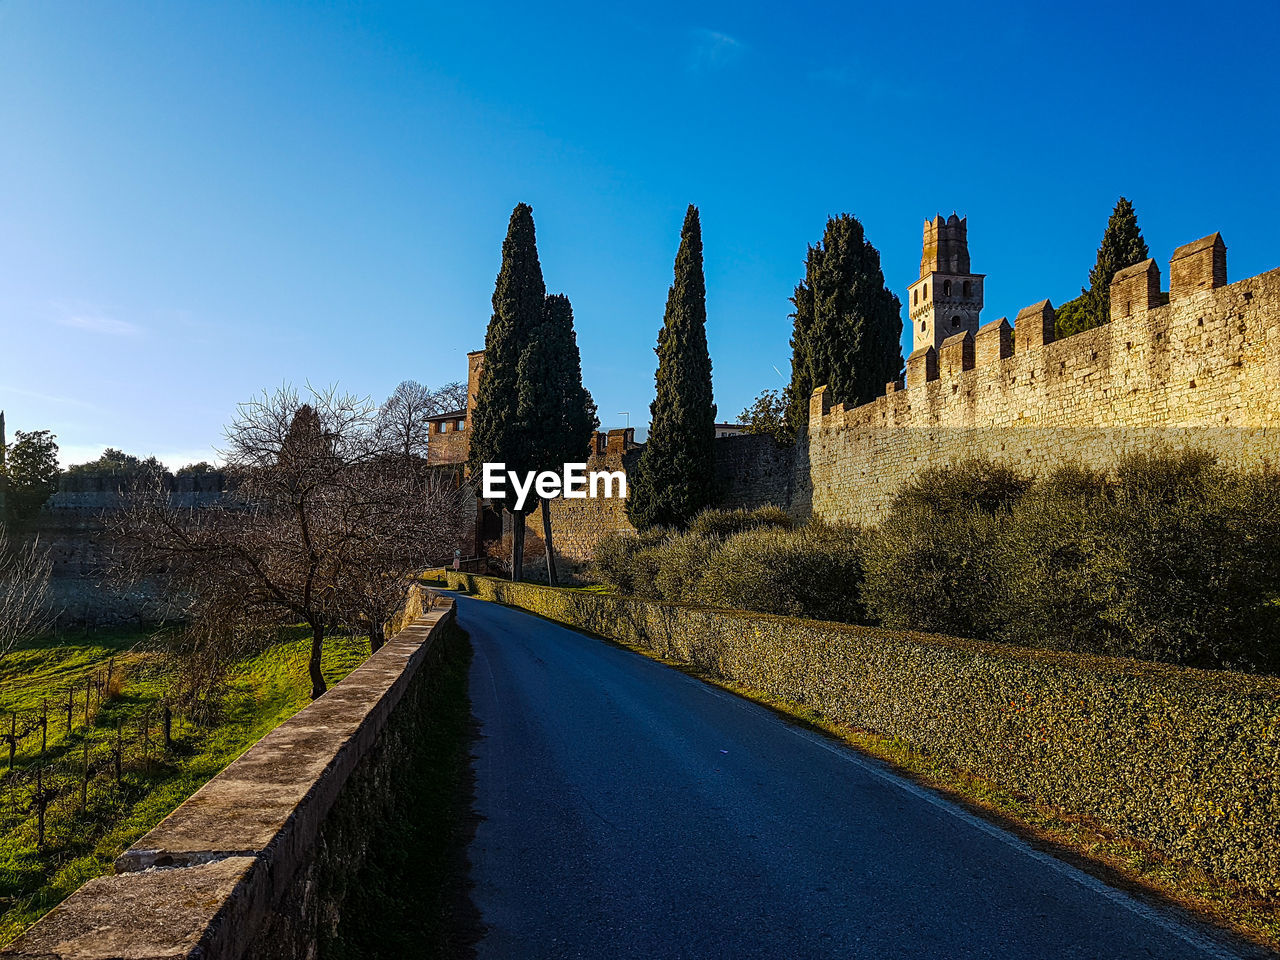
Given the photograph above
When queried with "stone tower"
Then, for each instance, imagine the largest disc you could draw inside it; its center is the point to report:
(947, 298)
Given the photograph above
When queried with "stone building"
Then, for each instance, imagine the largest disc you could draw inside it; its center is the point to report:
(947, 298)
(450, 434)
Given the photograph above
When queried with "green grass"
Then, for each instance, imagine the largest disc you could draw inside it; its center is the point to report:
(82, 842)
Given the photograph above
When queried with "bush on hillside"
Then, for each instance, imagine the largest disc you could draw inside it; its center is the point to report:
(970, 484)
(726, 523)
(679, 565)
(614, 560)
(1175, 560)
(933, 563)
(748, 559)
(814, 571)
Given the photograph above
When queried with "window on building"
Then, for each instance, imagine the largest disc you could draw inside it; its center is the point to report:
(946, 288)
(915, 296)
(442, 426)
(460, 425)
(926, 292)
(955, 323)
(924, 326)
(968, 288)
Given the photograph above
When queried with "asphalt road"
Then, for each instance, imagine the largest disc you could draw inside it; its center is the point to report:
(631, 811)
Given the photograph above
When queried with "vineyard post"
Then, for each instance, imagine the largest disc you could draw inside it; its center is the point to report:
(84, 781)
(41, 800)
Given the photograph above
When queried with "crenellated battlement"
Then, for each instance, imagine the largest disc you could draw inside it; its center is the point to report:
(1198, 365)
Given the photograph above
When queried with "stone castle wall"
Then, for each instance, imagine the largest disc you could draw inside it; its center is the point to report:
(751, 471)
(1200, 370)
(73, 527)
(72, 522)
(578, 525)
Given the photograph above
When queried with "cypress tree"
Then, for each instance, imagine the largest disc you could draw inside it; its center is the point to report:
(1122, 246)
(802, 385)
(848, 324)
(518, 306)
(555, 411)
(674, 478)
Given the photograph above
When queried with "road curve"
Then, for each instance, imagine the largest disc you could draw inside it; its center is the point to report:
(628, 810)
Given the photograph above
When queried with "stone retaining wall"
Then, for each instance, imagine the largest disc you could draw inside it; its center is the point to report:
(253, 864)
(1183, 761)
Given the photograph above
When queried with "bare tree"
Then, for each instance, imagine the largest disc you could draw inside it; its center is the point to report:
(422, 516)
(403, 420)
(24, 591)
(320, 513)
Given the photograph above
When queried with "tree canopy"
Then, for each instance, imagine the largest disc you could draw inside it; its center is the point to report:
(519, 307)
(325, 527)
(555, 412)
(1122, 246)
(675, 476)
(768, 414)
(847, 324)
(404, 417)
(31, 469)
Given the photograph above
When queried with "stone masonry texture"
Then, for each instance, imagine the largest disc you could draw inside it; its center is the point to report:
(259, 862)
(1199, 371)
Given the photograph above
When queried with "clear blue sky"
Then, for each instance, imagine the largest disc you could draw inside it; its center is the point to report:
(199, 200)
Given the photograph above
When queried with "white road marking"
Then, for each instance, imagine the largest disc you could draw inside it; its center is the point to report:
(1191, 937)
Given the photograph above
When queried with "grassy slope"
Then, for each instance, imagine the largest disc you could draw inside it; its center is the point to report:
(264, 690)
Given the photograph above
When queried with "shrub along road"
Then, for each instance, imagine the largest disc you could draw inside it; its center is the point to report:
(629, 810)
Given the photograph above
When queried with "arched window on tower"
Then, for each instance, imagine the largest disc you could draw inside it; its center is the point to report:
(955, 323)
(946, 288)
(924, 326)
(968, 288)
(926, 292)
(915, 296)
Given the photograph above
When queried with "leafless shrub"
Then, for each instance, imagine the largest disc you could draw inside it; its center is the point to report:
(402, 421)
(24, 591)
(323, 525)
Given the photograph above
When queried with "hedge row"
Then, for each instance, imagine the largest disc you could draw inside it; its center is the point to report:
(1185, 760)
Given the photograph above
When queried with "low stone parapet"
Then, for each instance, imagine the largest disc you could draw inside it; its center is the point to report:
(244, 867)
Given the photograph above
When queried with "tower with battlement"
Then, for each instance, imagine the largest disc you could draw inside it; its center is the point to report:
(947, 298)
